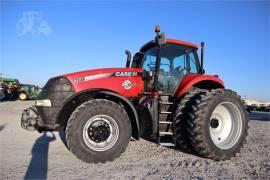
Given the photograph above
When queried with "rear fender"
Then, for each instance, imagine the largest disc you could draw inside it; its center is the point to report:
(199, 81)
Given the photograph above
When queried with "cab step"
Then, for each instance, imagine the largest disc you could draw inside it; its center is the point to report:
(165, 112)
(165, 122)
(163, 133)
(165, 102)
(168, 144)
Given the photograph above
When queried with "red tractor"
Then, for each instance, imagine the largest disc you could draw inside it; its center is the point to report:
(161, 95)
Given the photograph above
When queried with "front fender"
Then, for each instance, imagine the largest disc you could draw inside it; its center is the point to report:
(72, 103)
(130, 110)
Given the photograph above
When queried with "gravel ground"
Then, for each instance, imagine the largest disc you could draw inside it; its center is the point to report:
(32, 155)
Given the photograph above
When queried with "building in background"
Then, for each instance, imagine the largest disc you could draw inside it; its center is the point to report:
(255, 102)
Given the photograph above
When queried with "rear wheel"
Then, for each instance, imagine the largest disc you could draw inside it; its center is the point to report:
(23, 96)
(98, 131)
(217, 124)
(181, 114)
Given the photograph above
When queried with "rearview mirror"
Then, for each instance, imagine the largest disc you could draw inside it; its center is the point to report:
(161, 39)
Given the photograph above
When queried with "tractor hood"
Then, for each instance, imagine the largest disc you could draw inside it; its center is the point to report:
(102, 71)
(121, 80)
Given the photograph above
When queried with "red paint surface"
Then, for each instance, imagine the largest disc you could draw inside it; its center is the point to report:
(191, 79)
(173, 41)
(113, 83)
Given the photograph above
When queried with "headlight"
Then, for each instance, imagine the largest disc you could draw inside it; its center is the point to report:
(43, 102)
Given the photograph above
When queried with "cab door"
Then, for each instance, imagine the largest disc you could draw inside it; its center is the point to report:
(175, 62)
(174, 65)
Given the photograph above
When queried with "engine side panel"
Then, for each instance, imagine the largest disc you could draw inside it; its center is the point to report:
(126, 81)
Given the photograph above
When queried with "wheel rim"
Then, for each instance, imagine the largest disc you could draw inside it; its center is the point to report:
(100, 132)
(225, 125)
(23, 96)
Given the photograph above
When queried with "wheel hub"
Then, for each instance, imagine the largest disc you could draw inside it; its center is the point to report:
(214, 123)
(100, 132)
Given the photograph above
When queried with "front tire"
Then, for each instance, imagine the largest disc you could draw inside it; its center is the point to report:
(2, 96)
(99, 130)
(217, 124)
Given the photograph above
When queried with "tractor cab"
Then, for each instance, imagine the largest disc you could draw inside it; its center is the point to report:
(165, 63)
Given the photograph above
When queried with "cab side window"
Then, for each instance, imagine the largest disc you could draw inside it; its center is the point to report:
(179, 65)
(192, 63)
(149, 60)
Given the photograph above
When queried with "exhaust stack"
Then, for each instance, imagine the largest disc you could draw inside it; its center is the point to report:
(202, 56)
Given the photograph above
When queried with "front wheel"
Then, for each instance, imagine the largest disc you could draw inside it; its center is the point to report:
(217, 124)
(2, 96)
(98, 131)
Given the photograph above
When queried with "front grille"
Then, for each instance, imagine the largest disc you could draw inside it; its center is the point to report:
(58, 90)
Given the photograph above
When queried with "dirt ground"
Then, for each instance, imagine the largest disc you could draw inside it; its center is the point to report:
(32, 155)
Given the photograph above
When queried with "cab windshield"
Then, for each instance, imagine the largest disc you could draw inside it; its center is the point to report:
(175, 62)
(172, 56)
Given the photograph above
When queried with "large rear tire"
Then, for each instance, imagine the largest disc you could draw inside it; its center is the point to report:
(99, 130)
(181, 115)
(217, 124)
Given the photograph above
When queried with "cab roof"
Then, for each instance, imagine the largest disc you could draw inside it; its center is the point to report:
(171, 41)
(9, 80)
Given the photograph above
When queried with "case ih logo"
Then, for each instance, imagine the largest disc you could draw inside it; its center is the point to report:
(126, 74)
(127, 84)
(100, 76)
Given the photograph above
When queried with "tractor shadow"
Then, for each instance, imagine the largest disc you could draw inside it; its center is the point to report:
(38, 166)
(62, 136)
(2, 127)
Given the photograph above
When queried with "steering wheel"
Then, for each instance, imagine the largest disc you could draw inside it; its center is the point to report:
(179, 70)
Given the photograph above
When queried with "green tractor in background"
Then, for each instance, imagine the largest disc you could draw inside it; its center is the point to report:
(9, 88)
(3, 91)
(12, 89)
(28, 91)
